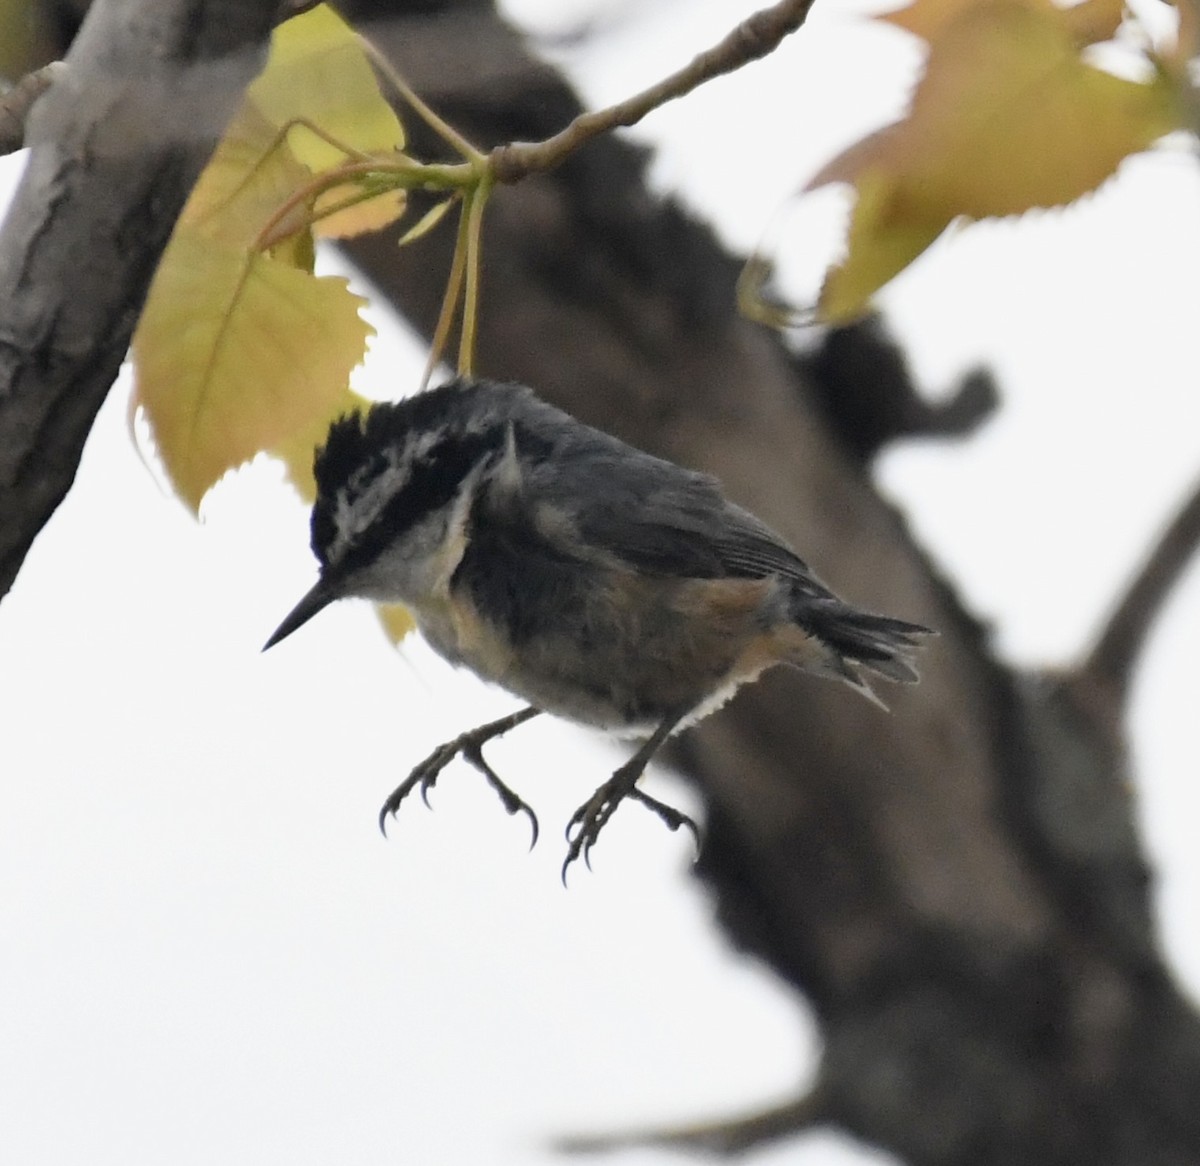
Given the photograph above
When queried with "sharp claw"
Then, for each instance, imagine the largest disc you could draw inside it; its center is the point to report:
(519, 807)
(473, 753)
(469, 747)
(672, 818)
(587, 822)
(572, 856)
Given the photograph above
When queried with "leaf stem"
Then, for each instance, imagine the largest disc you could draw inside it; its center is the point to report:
(450, 297)
(363, 194)
(324, 135)
(438, 175)
(442, 128)
(473, 214)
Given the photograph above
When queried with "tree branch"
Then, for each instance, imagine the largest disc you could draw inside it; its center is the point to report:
(18, 101)
(1112, 661)
(721, 1138)
(117, 145)
(756, 37)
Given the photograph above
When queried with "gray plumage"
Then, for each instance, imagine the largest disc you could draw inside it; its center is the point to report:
(598, 582)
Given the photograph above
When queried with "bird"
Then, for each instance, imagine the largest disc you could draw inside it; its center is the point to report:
(597, 582)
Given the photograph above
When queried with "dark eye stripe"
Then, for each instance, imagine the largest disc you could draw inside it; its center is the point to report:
(432, 483)
(435, 479)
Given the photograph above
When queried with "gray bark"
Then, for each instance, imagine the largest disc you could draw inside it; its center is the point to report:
(116, 146)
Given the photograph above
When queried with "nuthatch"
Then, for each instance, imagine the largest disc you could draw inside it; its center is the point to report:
(591, 579)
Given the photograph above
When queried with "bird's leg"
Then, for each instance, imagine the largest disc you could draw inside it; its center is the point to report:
(586, 823)
(672, 817)
(470, 746)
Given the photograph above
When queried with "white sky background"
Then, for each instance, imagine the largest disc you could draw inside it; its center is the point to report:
(209, 953)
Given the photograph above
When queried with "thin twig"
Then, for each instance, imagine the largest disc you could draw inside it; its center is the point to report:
(1114, 656)
(755, 37)
(717, 1138)
(16, 103)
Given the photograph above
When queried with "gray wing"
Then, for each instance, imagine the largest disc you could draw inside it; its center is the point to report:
(667, 521)
(655, 515)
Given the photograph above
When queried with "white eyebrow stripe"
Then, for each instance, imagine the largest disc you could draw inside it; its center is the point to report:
(355, 511)
(359, 503)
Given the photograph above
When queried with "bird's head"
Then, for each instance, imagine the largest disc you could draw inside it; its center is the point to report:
(390, 483)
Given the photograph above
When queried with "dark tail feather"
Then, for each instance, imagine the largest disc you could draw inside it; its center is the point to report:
(875, 643)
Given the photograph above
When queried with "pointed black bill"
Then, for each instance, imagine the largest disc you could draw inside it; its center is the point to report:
(320, 596)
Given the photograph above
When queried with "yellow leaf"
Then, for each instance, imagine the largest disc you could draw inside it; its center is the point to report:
(426, 222)
(318, 72)
(397, 620)
(1088, 22)
(371, 214)
(234, 353)
(296, 250)
(1094, 21)
(1008, 116)
(247, 181)
(883, 240)
(927, 18)
(298, 448)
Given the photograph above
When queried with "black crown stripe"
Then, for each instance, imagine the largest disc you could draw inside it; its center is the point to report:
(433, 481)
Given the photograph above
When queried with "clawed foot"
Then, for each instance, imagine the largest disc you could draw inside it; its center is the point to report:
(470, 747)
(586, 823)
